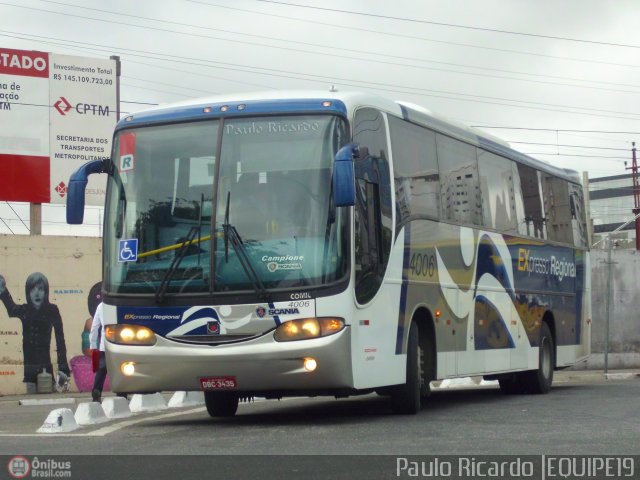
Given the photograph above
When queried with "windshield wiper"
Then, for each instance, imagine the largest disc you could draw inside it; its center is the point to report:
(177, 258)
(231, 235)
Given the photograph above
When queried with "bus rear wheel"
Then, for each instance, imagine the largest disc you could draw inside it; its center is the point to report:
(221, 404)
(406, 398)
(539, 381)
(534, 381)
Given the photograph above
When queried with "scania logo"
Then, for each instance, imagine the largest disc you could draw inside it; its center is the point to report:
(260, 311)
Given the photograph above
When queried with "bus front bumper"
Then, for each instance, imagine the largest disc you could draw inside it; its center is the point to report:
(258, 365)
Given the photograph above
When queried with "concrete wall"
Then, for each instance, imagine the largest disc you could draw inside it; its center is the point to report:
(624, 318)
(72, 265)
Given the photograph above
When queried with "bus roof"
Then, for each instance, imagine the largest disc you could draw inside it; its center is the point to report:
(345, 103)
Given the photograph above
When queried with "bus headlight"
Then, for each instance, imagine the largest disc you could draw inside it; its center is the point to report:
(128, 368)
(130, 335)
(306, 328)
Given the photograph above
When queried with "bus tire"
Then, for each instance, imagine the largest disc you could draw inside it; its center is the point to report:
(406, 398)
(539, 381)
(221, 404)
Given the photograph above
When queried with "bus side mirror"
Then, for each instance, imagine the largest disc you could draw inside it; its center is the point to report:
(344, 189)
(76, 189)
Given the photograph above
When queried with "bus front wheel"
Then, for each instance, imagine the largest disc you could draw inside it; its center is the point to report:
(221, 404)
(406, 398)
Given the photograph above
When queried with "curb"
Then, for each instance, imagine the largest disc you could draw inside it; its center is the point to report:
(621, 376)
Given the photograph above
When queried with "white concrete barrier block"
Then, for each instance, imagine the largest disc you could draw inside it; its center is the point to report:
(186, 399)
(457, 382)
(60, 420)
(116, 407)
(489, 383)
(90, 413)
(151, 402)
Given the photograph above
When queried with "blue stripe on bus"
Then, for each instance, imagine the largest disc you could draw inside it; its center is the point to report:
(497, 327)
(404, 289)
(251, 108)
(276, 318)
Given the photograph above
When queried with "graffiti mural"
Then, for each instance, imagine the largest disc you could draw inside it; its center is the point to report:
(40, 318)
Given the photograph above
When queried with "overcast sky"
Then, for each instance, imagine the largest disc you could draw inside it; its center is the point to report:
(560, 78)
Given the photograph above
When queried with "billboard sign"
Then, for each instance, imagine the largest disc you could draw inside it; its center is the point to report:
(24, 136)
(58, 112)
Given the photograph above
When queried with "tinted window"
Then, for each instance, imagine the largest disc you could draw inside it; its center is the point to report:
(558, 209)
(498, 198)
(417, 180)
(578, 217)
(373, 221)
(459, 189)
(533, 221)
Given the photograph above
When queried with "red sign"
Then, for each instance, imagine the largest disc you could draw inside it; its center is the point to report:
(127, 152)
(128, 143)
(24, 178)
(25, 63)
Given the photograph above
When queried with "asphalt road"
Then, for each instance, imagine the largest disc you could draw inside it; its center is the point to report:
(583, 415)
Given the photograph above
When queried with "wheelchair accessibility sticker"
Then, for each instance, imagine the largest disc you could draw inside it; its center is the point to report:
(128, 250)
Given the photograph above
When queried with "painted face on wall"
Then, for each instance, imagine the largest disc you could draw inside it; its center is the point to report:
(37, 295)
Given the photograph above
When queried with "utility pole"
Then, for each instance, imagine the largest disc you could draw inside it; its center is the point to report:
(636, 191)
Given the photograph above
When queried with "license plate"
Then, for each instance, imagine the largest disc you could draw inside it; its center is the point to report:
(218, 383)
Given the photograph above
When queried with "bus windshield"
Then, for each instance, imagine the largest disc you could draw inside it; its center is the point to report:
(271, 224)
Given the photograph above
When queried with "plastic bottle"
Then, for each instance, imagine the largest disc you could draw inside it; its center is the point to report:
(44, 382)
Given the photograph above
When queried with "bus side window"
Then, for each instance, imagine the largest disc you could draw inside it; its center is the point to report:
(373, 213)
(417, 180)
(558, 209)
(460, 197)
(578, 217)
(498, 197)
(368, 240)
(533, 223)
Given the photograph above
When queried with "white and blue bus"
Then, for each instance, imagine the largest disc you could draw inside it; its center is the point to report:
(320, 243)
